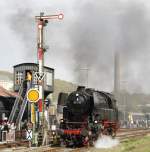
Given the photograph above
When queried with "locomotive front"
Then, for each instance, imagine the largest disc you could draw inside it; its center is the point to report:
(76, 115)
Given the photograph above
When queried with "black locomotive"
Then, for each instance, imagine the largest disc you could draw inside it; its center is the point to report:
(86, 115)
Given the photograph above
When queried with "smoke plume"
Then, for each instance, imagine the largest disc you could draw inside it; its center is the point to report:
(86, 39)
(99, 30)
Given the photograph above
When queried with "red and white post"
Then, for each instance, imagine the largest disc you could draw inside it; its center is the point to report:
(41, 64)
(42, 21)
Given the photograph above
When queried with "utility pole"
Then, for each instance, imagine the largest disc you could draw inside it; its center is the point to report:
(41, 23)
(124, 93)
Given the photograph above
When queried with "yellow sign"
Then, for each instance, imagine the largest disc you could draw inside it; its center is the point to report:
(33, 95)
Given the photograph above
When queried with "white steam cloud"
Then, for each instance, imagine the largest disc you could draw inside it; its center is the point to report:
(106, 142)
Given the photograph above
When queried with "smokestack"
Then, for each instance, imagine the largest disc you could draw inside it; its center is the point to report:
(116, 74)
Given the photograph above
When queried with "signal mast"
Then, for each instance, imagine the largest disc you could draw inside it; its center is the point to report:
(41, 23)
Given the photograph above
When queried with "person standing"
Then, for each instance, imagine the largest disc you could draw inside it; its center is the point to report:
(29, 79)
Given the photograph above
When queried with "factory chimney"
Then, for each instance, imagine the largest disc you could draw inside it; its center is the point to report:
(116, 74)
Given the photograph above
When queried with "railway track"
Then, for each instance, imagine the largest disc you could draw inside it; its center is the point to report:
(49, 149)
(122, 136)
(130, 129)
(125, 134)
(23, 143)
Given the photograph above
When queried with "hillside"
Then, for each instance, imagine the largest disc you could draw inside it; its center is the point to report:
(4, 75)
(59, 85)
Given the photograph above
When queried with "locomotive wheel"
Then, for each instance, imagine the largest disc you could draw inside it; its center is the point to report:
(113, 133)
(108, 132)
(91, 143)
(105, 132)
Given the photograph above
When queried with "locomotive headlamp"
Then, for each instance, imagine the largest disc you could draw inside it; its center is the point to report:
(77, 94)
(95, 121)
(90, 133)
(53, 133)
(61, 120)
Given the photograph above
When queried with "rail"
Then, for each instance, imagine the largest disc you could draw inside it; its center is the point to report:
(123, 135)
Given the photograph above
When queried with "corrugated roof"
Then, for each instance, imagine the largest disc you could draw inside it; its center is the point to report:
(6, 93)
(30, 64)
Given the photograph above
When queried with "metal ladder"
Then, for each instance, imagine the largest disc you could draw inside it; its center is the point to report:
(22, 96)
(15, 106)
(21, 112)
(22, 108)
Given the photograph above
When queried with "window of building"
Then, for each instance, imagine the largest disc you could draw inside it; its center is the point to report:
(19, 77)
(49, 79)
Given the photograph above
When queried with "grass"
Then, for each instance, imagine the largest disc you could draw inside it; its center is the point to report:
(137, 145)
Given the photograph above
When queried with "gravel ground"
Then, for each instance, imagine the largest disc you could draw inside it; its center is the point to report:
(131, 145)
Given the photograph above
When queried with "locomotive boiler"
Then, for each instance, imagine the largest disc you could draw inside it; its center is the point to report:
(87, 114)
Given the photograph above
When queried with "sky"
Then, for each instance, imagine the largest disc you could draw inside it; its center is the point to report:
(87, 37)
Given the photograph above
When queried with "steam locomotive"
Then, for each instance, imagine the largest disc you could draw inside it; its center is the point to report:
(87, 114)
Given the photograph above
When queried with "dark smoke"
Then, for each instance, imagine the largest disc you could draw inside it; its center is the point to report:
(88, 37)
(102, 28)
(23, 23)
